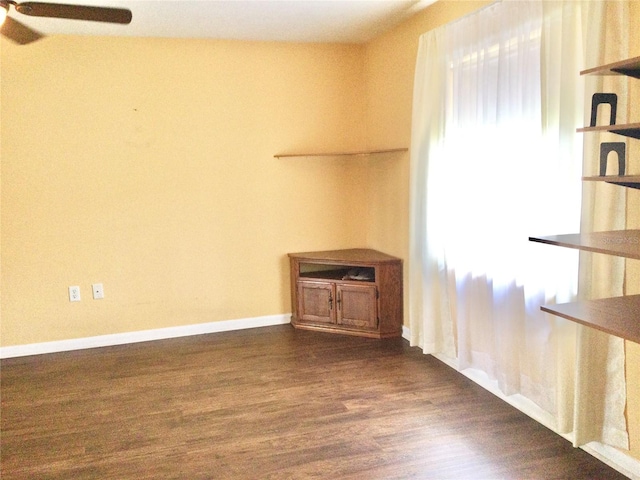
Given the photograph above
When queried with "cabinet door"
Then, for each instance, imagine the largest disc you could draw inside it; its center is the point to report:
(357, 306)
(316, 302)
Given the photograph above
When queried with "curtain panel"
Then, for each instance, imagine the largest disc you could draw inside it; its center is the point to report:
(495, 158)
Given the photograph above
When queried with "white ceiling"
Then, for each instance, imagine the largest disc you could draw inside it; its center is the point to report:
(343, 21)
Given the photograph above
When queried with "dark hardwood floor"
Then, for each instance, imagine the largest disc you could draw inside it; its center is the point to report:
(269, 403)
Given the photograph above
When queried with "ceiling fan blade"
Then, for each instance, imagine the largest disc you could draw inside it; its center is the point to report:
(19, 33)
(75, 12)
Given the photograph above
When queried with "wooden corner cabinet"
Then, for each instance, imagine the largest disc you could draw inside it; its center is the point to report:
(619, 315)
(353, 292)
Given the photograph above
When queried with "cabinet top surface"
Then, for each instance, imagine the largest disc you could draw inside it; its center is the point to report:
(362, 255)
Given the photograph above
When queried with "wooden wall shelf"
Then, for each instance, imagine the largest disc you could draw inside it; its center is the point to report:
(631, 181)
(361, 153)
(622, 243)
(619, 316)
(628, 130)
(630, 68)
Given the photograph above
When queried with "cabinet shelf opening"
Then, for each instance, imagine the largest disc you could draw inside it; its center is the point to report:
(337, 272)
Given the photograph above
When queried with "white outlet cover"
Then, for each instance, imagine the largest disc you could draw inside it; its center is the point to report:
(74, 294)
(98, 291)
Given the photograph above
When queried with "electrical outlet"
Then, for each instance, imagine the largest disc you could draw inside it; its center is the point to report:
(98, 291)
(74, 294)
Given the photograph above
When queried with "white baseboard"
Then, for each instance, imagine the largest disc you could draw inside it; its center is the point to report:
(142, 336)
(616, 459)
(406, 333)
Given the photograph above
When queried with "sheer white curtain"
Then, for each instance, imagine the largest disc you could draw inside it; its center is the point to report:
(495, 159)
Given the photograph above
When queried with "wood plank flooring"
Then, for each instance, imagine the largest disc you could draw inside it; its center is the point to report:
(268, 403)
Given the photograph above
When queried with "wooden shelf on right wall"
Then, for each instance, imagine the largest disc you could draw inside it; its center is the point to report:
(629, 67)
(619, 316)
(626, 130)
(621, 243)
(631, 181)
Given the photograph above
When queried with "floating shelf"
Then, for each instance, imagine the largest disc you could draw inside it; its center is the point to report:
(342, 154)
(630, 67)
(619, 316)
(622, 243)
(628, 130)
(631, 181)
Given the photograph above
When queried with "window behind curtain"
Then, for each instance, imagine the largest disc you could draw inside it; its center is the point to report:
(495, 159)
(492, 177)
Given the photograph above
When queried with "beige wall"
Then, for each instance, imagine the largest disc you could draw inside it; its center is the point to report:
(147, 165)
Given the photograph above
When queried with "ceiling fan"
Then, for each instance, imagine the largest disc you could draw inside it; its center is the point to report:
(22, 34)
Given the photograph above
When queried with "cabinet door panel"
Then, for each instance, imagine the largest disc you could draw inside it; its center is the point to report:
(357, 306)
(316, 302)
